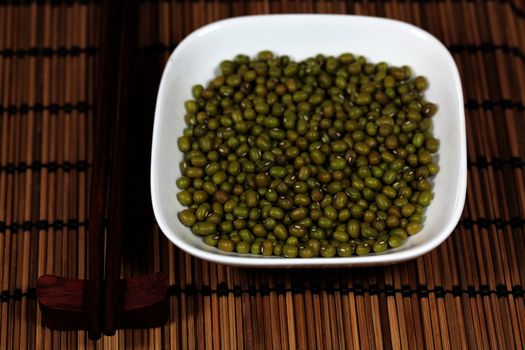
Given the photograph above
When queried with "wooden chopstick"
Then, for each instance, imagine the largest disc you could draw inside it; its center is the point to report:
(105, 117)
(116, 216)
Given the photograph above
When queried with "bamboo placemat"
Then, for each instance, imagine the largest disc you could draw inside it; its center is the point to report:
(468, 293)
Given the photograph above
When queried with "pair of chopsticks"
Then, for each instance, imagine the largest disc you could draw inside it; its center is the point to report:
(105, 302)
(117, 50)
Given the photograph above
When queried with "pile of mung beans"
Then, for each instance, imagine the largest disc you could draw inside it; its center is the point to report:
(329, 156)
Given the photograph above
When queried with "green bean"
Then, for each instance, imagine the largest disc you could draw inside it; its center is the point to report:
(362, 249)
(432, 145)
(242, 247)
(226, 245)
(277, 249)
(315, 245)
(328, 251)
(267, 248)
(194, 172)
(353, 228)
(211, 240)
(185, 198)
(280, 232)
(407, 210)
(325, 222)
(382, 202)
(292, 240)
(433, 169)
(368, 232)
(424, 198)
(345, 250)
(202, 211)
(395, 241)
(278, 171)
(372, 183)
(259, 230)
(339, 146)
(363, 99)
(341, 236)
(344, 215)
(317, 157)
(380, 246)
(298, 214)
(306, 252)
(357, 212)
(330, 212)
(204, 228)
(337, 163)
(290, 251)
(241, 212)
(183, 182)
(200, 196)
(421, 83)
(429, 110)
(184, 143)
(340, 200)
(362, 148)
(413, 227)
(255, 248)
(251, 199)
(187, 217)
(276, 213)
(246, 235)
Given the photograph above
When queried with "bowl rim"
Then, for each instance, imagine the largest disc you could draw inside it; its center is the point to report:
(234, 259)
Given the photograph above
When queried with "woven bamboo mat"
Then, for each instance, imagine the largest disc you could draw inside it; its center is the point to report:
(468, 293)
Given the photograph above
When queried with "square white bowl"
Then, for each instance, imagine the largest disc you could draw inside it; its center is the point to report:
(196, 60)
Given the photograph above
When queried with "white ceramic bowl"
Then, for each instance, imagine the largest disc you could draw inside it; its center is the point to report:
(196, 60)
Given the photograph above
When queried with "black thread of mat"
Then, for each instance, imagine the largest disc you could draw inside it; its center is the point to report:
(514, 8)
(497, 163)
(53, 108)
(480, 162)
(22, 167)
(486, 47)
(48, 2)
(467, 223)
(421, 291)
(84, 107)
(500, 223)
(517, 10)
(61, 51)
(489, 105)
(15, 227)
